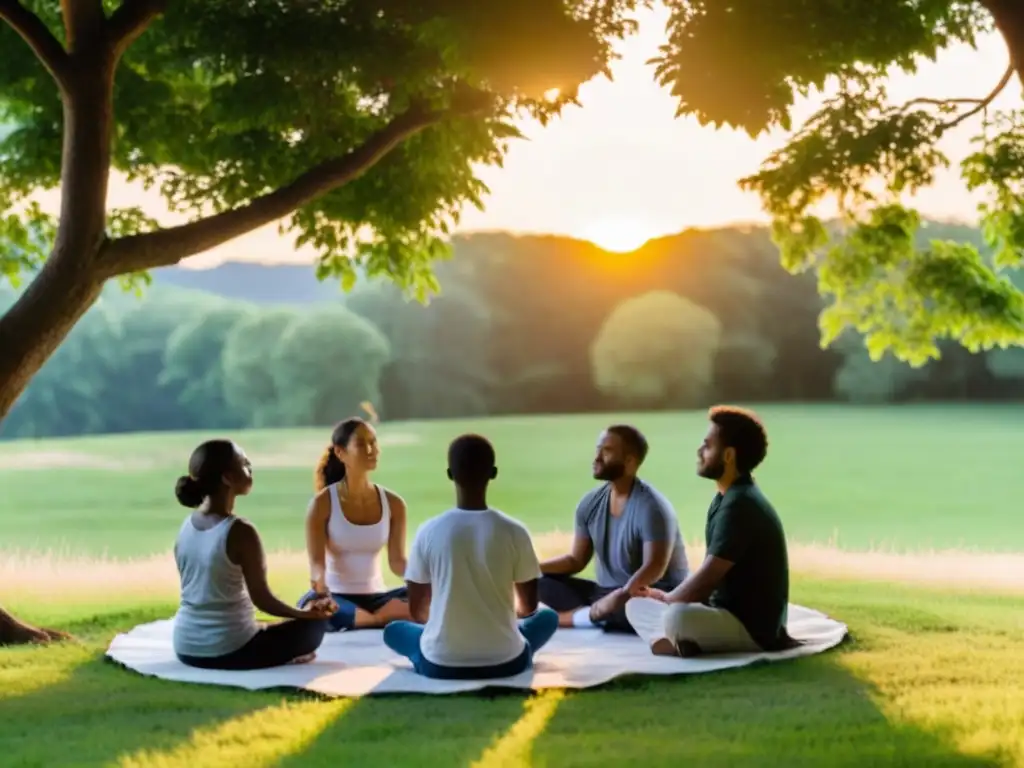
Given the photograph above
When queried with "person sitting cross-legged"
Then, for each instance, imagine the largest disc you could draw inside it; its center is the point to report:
(628, 527)
(737, 600)
(350, 523)
(472, 575)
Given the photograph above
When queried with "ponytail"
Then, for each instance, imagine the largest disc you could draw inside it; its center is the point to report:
(329, 470)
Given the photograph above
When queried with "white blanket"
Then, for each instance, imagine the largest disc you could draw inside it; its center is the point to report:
(359, 664)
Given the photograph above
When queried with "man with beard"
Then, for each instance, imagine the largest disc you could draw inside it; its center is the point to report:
(737, 600)
(629, 526)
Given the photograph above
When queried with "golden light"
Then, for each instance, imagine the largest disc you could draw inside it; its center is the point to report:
(618, 235)
(552, 93)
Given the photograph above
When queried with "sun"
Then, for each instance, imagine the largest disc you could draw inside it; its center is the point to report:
(617, 235)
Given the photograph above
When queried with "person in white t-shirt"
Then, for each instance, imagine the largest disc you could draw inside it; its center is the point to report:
(472, 575)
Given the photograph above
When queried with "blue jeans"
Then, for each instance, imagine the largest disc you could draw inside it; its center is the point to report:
(403, 637)
(345, 617)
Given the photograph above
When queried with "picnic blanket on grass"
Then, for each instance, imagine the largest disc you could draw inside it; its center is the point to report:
(352, 664)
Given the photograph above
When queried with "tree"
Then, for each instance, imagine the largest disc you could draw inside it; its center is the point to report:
(861, 379)
(657, 349)
(725, 65)
(362, 123)
(440, 353)
(193, 363)
(324, 365)
(250, 390)
(66, 397)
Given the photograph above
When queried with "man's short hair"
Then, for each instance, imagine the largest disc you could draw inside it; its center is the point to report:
(471, 460)
(633, 440)
(741, 430)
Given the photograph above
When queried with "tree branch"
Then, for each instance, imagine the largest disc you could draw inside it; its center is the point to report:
(131, 19)
(39, 37)
(979, 104)
(169, 246)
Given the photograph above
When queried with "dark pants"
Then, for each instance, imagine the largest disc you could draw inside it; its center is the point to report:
(273, 646)
(570, 593)
(345, 617)
(403, 637)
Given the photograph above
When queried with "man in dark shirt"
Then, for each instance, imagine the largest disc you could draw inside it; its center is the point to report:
(738, 599)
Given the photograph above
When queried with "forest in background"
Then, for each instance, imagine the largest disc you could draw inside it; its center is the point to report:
(523, 325)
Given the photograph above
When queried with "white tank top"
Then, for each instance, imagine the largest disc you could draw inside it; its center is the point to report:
(216, 615)
(353, 551)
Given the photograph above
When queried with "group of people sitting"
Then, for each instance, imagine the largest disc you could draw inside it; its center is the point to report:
(477, 601)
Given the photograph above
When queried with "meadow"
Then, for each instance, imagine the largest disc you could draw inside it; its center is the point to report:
(932, 675)
(898, 479)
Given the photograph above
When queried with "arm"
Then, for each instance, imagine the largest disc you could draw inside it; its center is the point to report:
(245, 549)
(732, 537)
(702, 582)
(527, 598)
(657, 530)
(656, 557)
(582, 546)
(317, 513)
(574, 562)
(419, 601)
(396, 538)
(417, 580)
(526, 574)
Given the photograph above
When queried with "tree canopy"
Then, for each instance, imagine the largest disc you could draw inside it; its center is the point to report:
(656, 349)
(360, 125)
(726, 64)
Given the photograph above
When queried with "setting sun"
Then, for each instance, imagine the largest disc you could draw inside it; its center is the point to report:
(618, 235)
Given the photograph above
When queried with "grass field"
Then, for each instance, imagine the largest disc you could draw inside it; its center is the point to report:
(930, 677)
(856, 478)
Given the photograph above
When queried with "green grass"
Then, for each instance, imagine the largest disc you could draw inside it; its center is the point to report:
(899, 478)
(928, 680)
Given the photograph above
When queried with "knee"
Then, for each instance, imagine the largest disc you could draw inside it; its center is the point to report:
(546, 619)
(393, 633)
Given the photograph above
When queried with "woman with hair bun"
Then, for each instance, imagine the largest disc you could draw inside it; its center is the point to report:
(223, 576)
(349, 522)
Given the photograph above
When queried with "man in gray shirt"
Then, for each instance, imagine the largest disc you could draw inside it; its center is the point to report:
(629, 526)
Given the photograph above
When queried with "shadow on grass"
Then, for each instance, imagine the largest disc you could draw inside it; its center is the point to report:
(806, 712)
(809, 712)
(399, 730)
(92, 711)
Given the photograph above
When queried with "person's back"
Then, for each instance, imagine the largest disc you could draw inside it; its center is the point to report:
(472, 574)
(216, 615)
(223, 578)
(474, 558)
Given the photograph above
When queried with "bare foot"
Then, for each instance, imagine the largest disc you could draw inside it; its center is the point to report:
(664, 647)
(303, 659)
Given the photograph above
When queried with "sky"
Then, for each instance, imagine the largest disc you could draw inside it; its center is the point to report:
(622, 168)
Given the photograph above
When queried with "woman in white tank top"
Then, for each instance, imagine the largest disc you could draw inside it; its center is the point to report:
(223, 576)
(349, 524)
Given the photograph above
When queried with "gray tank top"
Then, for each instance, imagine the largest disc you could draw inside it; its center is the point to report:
(216, 615)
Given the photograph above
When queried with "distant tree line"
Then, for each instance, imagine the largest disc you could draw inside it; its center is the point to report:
(523, 325)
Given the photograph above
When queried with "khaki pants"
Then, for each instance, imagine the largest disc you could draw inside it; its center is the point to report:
(714, 630)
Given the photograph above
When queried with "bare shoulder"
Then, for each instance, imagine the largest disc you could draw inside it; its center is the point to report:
(395, 502)
(320, 504)
(243, 536)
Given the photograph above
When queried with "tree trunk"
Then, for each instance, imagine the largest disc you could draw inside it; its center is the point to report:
(1009, 19)
(39, 321)
(70, 280)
